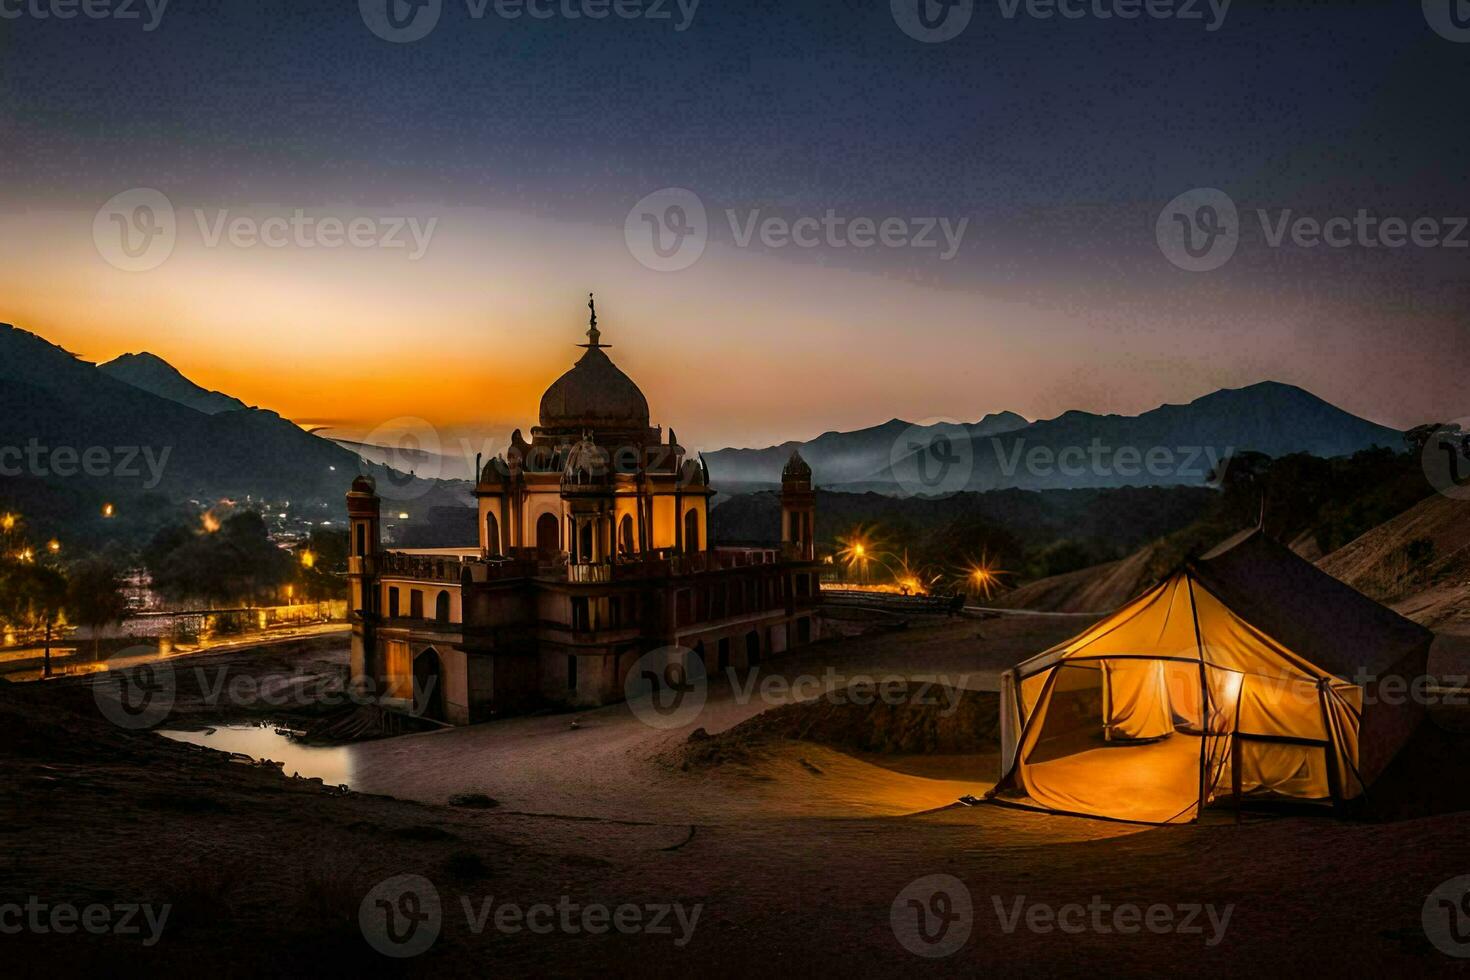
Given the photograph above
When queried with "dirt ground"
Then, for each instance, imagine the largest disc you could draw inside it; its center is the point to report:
(799, 855)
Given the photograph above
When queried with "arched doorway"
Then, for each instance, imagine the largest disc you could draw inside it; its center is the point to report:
(691, 532)
(584, 543)
(441, 607)
(548, 536)
(492, 534)
(625, 534)
(428, 685)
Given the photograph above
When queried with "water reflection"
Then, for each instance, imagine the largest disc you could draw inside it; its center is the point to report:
(335, 765)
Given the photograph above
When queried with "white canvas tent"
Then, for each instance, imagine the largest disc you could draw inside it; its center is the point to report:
(1246, 673)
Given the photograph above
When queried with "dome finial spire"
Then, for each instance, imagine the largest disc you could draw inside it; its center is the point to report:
(594, 336)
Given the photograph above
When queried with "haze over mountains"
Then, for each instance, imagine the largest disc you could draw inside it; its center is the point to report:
(1167, 446)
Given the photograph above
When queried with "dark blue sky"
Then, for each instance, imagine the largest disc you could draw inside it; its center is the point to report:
(1060, 140)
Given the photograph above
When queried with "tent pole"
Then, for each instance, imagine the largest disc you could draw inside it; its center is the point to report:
(1204, 699)
(1329, 753)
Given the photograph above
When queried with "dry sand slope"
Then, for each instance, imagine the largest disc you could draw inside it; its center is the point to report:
(1419, 563)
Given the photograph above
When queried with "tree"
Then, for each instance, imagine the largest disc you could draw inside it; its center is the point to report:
(94, 598)
(32, 599)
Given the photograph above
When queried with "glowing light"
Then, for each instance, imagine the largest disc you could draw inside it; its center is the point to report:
(308, 559)
(26, 554)
(107, 510)
(53, 546)
(403, 515)
(7, 523)
(982, 578)
(210, 522)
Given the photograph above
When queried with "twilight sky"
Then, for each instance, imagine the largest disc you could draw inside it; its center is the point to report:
(524, 151)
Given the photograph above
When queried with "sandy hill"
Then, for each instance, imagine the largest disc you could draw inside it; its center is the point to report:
(1099, 589)
(1418, 562)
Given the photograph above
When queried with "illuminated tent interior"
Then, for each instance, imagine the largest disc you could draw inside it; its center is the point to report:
(1246, 674)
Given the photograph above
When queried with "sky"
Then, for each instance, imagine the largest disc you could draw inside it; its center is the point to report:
(859, 217)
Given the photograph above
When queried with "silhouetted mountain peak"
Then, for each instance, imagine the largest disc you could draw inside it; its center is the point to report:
(155, 375)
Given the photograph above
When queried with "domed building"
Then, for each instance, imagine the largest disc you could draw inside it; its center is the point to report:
(595, 549)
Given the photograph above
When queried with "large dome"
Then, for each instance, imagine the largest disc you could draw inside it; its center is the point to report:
(594, 394)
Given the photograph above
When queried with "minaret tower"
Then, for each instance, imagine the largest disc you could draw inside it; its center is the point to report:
(363, 544)
(798, 509)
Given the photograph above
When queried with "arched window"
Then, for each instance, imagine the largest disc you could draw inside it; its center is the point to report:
(584, 543)
(548, 535)
(441, 607)
(625, 534)
(492, 535)
(691, 532)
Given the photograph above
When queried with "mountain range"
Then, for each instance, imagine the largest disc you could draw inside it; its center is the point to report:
(1168, 446)
(72, 421)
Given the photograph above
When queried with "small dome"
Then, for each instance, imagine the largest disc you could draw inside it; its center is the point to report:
(364, 485)
(796, 469)
(496, 472)
(587, 463)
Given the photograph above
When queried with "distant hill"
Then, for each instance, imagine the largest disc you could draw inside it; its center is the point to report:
(1008, 524)
(153, 374)
(66, 408)
(1169, 445)
(835, 457)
